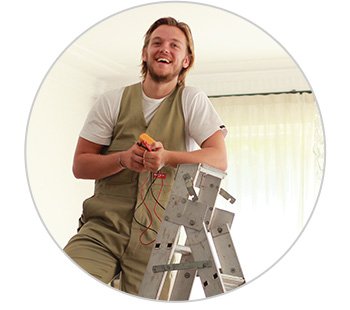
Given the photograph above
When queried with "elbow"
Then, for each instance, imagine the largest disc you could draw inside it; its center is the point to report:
(76, 172)
(80, 169)
(76, 167)
(223, 165)
(223, 162)
(82, 172)
(220, 163)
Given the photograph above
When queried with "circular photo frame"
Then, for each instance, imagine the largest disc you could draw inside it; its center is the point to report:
(274, 141)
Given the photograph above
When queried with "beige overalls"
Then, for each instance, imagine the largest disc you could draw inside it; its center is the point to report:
(121, 219)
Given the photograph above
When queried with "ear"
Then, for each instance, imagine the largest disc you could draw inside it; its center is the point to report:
(186, 62)
(144, 54)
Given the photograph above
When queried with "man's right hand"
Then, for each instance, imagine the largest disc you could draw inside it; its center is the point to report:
(89, 163)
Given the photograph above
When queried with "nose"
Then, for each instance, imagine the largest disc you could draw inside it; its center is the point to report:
(164, 50)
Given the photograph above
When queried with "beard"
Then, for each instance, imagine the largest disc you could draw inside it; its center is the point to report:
(163, 78)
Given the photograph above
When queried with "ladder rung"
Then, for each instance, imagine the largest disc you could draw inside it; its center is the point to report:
(182, 249)
(182, 266)
(231, 282)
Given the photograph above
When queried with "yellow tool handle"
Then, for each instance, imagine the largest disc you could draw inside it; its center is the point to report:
(146, 141)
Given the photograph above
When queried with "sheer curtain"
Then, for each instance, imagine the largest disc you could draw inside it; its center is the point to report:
(275, 148)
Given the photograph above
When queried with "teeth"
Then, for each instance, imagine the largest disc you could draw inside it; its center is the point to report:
(163, 60)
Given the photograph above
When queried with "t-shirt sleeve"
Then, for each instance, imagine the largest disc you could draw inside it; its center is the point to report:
(202, 118)
(100, 122)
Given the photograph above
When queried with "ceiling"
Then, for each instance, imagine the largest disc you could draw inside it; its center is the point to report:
(224, 42)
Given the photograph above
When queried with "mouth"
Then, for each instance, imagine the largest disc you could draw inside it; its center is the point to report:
(163, 60)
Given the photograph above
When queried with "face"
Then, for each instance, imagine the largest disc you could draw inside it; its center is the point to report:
(166, 53)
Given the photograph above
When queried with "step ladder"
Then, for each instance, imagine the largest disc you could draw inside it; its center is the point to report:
(191, 207)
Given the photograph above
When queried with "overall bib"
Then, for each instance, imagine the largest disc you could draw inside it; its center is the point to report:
(120, 221)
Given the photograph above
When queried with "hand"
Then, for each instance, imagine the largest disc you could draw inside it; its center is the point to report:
(133, 158)
(156, 159)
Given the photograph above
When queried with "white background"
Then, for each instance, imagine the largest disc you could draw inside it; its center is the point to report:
(34, 273)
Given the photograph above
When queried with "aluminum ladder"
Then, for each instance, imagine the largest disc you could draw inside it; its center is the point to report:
(191, 207)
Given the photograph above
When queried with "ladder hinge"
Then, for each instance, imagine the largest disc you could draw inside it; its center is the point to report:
(227, 196)
(189, 185)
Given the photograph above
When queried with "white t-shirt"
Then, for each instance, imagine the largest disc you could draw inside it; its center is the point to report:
(201, 119)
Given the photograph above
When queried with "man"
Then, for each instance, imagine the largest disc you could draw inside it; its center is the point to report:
(120, 221)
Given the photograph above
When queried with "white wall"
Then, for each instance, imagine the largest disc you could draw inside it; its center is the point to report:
(60, 108)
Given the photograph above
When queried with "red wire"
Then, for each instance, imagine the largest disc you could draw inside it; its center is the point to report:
(141, 189)
(154, 208)
(150, 216)
(148, 227)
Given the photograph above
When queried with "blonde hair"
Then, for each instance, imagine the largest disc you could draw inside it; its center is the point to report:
(170, 21)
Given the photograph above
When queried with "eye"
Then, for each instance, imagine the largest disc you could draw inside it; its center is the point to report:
(156, 43)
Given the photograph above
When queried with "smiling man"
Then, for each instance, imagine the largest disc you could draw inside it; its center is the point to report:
(119, 223)
(165, 55)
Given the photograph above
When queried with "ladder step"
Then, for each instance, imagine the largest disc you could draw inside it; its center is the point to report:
(182, 249)
(182, 266)
(231, 282)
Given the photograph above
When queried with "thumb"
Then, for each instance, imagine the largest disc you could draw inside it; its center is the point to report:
(156, 146)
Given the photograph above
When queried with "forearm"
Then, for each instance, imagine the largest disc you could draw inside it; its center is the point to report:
(96, 166)
(212, 153)
(210, 156)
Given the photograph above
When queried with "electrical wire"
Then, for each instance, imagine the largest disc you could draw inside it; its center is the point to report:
(156, 200)
(157, 203)
(142, 202)
(150, 215)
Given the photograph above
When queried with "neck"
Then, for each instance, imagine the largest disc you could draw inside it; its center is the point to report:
(158, 90)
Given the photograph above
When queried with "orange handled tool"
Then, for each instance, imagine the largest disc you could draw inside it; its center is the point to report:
(146, 141)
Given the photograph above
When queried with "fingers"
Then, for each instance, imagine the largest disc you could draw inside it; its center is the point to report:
(134, 158)
(139, 159)
(153, 161)
(144, 157)
(138, 150)
(155, 146)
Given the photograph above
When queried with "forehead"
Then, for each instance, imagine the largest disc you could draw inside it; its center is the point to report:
(167, 32)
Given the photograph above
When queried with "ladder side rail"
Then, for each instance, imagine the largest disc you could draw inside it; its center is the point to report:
(221, 236)
(184, 279)
(197, 239)
(152, 283)
(162, 253)
(201, 250)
